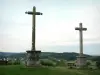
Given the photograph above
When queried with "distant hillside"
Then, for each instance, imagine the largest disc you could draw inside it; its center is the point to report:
(66, 55)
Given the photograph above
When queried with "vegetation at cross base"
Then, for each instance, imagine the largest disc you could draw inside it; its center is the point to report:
(22, 70)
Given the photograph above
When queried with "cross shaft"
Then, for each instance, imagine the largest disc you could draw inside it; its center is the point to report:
(80, 28)
(33, 13)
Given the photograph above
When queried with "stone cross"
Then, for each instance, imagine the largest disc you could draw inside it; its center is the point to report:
(33, 13)
(33, 54)
(80, 28)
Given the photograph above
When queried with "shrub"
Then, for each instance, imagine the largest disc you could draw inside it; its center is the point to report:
(9, 62)
(88, 64)
(16, 62)
(98, 64)
(61, 63)
(47, 62)
(2, 62)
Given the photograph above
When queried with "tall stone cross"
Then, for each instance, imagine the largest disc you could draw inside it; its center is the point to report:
(33, 13)
(80, 28)
(33, 54)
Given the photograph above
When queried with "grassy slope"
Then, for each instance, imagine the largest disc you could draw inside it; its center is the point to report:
(20, 70)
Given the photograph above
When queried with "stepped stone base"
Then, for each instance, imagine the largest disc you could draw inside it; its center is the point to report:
(81, 61)
(32, 58)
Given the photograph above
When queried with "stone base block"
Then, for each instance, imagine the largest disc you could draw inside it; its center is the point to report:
(32, 58)
(81, 61)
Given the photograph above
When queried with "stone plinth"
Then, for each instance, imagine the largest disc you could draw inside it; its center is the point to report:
(32, 58)
(81, 61)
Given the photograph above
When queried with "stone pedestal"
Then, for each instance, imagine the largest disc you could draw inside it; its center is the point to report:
(81, 61)
(32, 58)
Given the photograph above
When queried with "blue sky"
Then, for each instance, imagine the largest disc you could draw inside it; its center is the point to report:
(54, 29)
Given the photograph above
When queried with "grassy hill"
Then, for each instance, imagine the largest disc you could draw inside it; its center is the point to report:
(21, 70)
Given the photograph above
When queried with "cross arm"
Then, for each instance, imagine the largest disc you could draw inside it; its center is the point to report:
(84, 29)
(80, 28)
(28, 12)
(39, 13)
(36, 13)
(77, 28)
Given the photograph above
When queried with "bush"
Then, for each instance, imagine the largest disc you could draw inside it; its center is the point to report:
(47, 62)
(88, 64)
(98, 64)
(9, 62)
(16, 62)
(61, 63)
(2, 62)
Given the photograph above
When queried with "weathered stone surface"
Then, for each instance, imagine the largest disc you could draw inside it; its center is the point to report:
(81, 61)
(32, 58)
(33, 55)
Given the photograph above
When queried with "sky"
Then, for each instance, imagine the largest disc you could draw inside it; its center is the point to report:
(55, 29)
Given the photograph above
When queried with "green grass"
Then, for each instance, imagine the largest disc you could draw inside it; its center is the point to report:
(21, 70)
